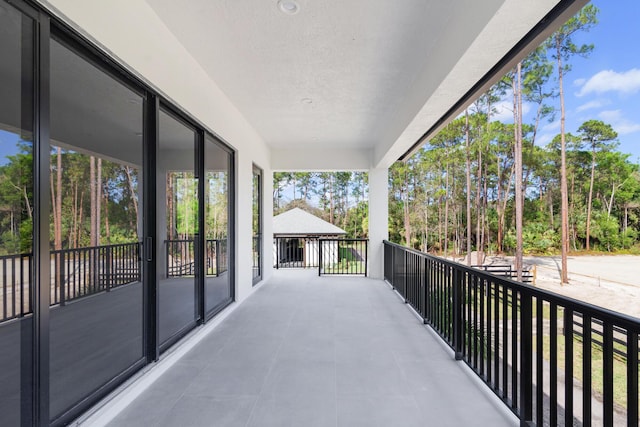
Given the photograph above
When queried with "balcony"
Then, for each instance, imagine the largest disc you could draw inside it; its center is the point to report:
(309, 350)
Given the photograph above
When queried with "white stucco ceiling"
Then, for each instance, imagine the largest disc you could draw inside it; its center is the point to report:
(365, 75)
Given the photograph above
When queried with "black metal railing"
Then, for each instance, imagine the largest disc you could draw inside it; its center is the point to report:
(523, 342)
(296, 252)
(343, 256)
(180, 257)
(75, 273)
(15, 277)
(256, 255)
(85, 271)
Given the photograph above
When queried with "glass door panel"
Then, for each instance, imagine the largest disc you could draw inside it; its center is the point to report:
(96, 317)
(178, 227)
(16, 213)
(216, 221)
(257, 225)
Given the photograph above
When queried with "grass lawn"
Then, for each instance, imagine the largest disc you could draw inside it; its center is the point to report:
(597, 377)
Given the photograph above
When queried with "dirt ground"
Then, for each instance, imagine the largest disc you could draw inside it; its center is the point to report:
(611, 282)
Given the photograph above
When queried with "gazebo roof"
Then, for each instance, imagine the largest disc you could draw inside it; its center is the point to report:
(298, 222)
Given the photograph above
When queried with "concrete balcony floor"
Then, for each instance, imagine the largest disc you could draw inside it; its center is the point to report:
(317, 351)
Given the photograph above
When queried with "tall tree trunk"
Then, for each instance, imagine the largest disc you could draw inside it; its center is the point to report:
(468, 173)
(134, 195)
(589, 202)
(331, 202)
(446, 214)
(479, 199)
(440, 243)
(519, 193)
(74, 218)
(98, 201)
(107, 230)
(80, 219)
(499, 210)
(564, 275)
(58, 205)
(92, 202)
(170, 217)
(405, 208)
(484, 228)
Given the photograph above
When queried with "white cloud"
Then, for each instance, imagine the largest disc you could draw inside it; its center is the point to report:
(549, 127)
(619, 123)
(579, 82)
(544, 139)
(611, 115)
(504, 111)
(627, 127)
(625, 83)
(598, 103)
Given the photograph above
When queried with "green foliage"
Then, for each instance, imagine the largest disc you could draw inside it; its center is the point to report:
(336, 197)
(427, 193)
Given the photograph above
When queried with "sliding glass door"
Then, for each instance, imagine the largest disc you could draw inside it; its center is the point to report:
(177, 218)
(217, 223)
(16, 214)
(116, 221)
(96, 293)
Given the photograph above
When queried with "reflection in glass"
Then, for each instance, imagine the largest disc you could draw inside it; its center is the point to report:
(96, 286)
(178, 224)
(16, 211)
(257, 225)
(216, 222)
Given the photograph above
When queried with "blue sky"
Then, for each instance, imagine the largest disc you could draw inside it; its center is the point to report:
(606, 84)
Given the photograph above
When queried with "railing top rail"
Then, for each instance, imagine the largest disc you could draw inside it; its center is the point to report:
(621, 319)
(344, 240)
(9, 256)
(84, 248)
(193, 240)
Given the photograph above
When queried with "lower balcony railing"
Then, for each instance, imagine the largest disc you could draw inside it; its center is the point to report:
(551, 359)
(180, 257)
(329, 256)
(75, 273)
(343, 256)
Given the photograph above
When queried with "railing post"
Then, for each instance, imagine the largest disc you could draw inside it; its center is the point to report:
(167, 244)
(404, 280)
(393, 268)
(218, 253)
(427, 292)
(60, 275)
(366, 257)
(320, 250)
(458, 322)
(632, 378)
(108, 278)
(526, 358)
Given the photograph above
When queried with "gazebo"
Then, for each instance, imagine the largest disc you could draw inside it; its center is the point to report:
(296, 236)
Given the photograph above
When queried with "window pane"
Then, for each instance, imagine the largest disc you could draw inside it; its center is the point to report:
(16, 210)
(96, 290)
(257, 225)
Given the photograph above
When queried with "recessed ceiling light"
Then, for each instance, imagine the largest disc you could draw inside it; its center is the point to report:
(306, 100)
(290, 7)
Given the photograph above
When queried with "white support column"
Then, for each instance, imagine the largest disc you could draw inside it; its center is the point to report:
(378, 220)
(243, 225)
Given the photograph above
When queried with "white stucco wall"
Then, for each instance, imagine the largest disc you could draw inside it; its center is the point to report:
(378, 220)
(130, 32)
